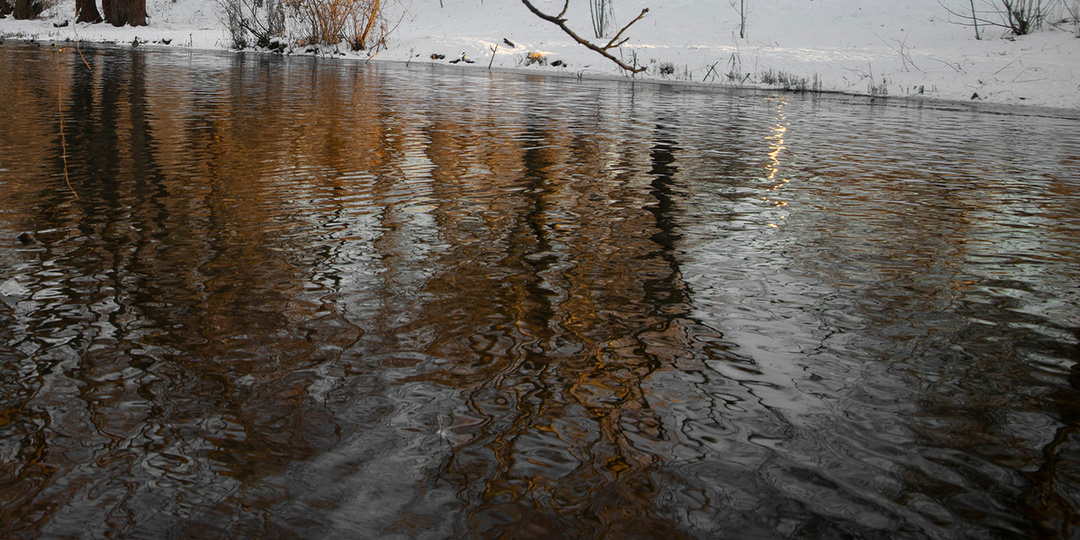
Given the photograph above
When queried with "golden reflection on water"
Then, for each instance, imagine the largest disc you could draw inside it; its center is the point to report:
(309, 298)
(776, 146)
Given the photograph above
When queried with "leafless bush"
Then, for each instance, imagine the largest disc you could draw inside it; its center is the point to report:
(367, 23)
(264, 23)
(324, 21)
(253, 22)
(333, 21)
(1074, 14)
(1021, 17)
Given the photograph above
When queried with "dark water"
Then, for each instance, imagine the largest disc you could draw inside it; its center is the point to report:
(319, 299)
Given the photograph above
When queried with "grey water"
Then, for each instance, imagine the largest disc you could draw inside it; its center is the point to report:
(309, 298)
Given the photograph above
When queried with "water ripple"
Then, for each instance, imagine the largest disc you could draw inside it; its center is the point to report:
(298, 297)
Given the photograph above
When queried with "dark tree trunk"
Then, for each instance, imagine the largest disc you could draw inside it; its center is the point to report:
(87, 11)
(121, 12)
(28, 9)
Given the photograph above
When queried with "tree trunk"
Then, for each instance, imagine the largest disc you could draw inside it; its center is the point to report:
(121, 12)
(28, 9)
(87, 11)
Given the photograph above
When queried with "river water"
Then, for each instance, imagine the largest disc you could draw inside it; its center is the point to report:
(275, 297)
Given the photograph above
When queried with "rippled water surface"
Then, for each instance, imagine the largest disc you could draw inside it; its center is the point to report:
(320, 299)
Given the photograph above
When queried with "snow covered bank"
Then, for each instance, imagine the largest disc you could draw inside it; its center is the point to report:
(914, 48)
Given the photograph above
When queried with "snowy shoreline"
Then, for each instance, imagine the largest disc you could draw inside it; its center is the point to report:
(911, 51)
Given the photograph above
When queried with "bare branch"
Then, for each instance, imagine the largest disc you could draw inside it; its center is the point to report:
(636, 19)
(559, 21)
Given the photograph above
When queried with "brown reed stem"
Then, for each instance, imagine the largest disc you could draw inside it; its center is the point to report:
(60, 111)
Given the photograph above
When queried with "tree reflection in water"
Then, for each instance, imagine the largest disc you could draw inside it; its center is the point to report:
(304, 298)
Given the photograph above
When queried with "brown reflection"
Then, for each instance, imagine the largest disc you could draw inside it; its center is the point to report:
(225, 319)
(305, 298)
(172, 348)
(551, 342)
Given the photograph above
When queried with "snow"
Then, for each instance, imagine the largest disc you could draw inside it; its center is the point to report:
(913, 49)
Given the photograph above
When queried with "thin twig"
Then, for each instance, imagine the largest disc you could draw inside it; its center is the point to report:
(712, 71)
(63, 138)
(956, 68)
(1007, 66)
(975, 19)
(636, 19)
(75, 27)
(905, 57)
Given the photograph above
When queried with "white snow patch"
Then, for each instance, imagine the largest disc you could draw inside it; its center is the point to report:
(913, 48)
